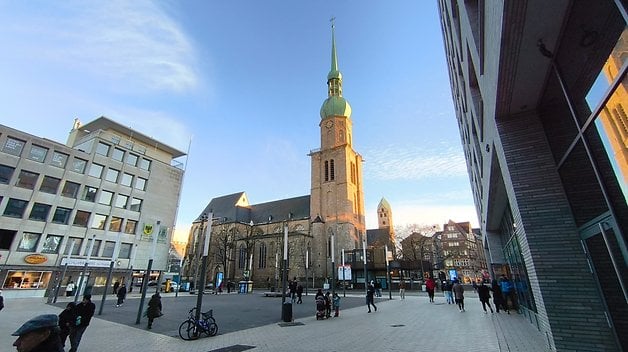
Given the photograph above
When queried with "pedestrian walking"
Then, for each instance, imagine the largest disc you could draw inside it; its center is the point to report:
(116, 285)
(484, 293)
(336, 300)
(498, 298)
(84, 313)
(67, 321)
(154, 309)
(402, 289)
(327, 304)
(458, 291)
(430, 286)
(508, 292)
(40, 334)
(378, 288)
(69, 289)
(447, 292)
(299, 294)
(370, 292)
(292, 286)
(121, 295)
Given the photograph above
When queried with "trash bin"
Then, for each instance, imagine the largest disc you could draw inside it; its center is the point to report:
(286, 312)
(242, 287)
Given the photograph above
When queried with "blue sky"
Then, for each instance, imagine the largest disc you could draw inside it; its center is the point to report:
(245, 80)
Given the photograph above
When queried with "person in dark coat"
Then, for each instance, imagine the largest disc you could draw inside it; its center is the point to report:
(299, 294)
(84, 313)
(67, 321)
(121, 295)
(116, 285)
(370, 292)
(154, 309)
(458, 291)
(484, 293)
(40, 334)
(498, 298)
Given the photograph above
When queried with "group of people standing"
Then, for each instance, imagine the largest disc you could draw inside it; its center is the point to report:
(502, 291)
(325, 303)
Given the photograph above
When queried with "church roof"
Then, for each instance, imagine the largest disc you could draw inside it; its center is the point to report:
(378, 237)
(235, 208)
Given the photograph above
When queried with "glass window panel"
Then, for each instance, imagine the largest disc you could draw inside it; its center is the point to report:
(85, 146)
(78, 165)
(70, 189)
(15, 207)
(125, 250)
(61, 216)
(39, 212)
(121, 201)
(81, 218)
(89, 193)
(126, 180)
(13, 146)
(102, 148)
(118, 154)
(98, 221)
(50, 184)
(136, 204)
(38, 153)
(5, 173)
(131, 159)
(107, 251)
(116, 224)
(52, 244)
(77, 246)
(59, 159)
(140, 183)
(27, 179)
(95, 170)
(145, 164)
(28, 242)
(95, 248)
(105, 197)
(112, 175)
(130, 226)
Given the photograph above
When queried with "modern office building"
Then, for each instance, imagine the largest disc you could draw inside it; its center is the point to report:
(529, 95)
(110, 195)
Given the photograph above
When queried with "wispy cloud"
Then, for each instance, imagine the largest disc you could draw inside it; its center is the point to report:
(121, 43)
(398, 162)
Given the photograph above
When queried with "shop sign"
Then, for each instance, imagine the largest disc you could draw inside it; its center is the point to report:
(35, 259)
(81, 262)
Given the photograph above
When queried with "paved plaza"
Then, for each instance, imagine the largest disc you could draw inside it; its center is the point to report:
(398, 325)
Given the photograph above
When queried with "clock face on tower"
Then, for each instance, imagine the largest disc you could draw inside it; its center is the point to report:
(329, 124)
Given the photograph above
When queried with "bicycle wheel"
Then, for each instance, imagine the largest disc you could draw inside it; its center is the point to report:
(212, 330)
(185, 328)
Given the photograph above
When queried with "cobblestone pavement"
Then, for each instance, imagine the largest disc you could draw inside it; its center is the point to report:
(398, 325)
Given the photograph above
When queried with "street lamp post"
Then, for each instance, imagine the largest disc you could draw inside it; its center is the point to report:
(364, 255)
(114, 259)
(83, 284)
(388, 273)
(207, 221)
(147, 273)
(333, 265)
(344, 284)
(65, 268)
(307, 264)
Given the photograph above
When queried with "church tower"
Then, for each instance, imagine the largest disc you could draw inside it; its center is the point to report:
(337, 197)
(384, 214)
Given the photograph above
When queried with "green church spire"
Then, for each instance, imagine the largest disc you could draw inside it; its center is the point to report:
(334, 72)
(335, 104)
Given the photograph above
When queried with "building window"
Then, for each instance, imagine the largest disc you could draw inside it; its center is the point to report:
(112, 175)
(52, 244)
(326, 170)
(50, 184)
(145, 164)
(38, 153)
(95, 248)
(89, 193)
(81, 218)
(77, 246)
(125, 250)
(70, 189)
(61, 216)
(130, 226)
(78, 165)
(15, 208)
(98, 221)
(95, 170)
(140, 183)
(102, 148)
(131, 159)
(118, 154)
(262, 256)
(331, 170)
(6, 238)
(116, 224)
(13, 146)
(108, 250)
(28, 242)
(136, 204)
(59, 159)
(242, 257)
(6, 172)
(27, 179)
(39, 212)
(126, 180)
(105, 197)
(121, 201)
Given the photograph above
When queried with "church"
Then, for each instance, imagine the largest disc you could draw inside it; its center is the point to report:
(246, 241)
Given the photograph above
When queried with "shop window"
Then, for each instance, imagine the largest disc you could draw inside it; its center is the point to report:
(27, 179)
(59, 159)
(95, 170)
(50, 184)
(125, 250)
(15, 208)
(130, 227)
(126, 180)
(38, 153)
(116, 224)
(6, 238)
(39, 212)
(52, 244)
(70, 189)
(98, 221)
(13, 146)
(118, 154)
(78, 165)
(81, 218)
(103, 148)
(5, 173)
(89, 193)
(61, 216)
(27, 279)
(28, 243)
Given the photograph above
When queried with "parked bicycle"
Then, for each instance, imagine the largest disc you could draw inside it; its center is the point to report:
(192, 329)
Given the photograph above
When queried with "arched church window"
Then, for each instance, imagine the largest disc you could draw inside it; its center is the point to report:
(326, 170)
(262, 256)
(331, 170)
(242, 257)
